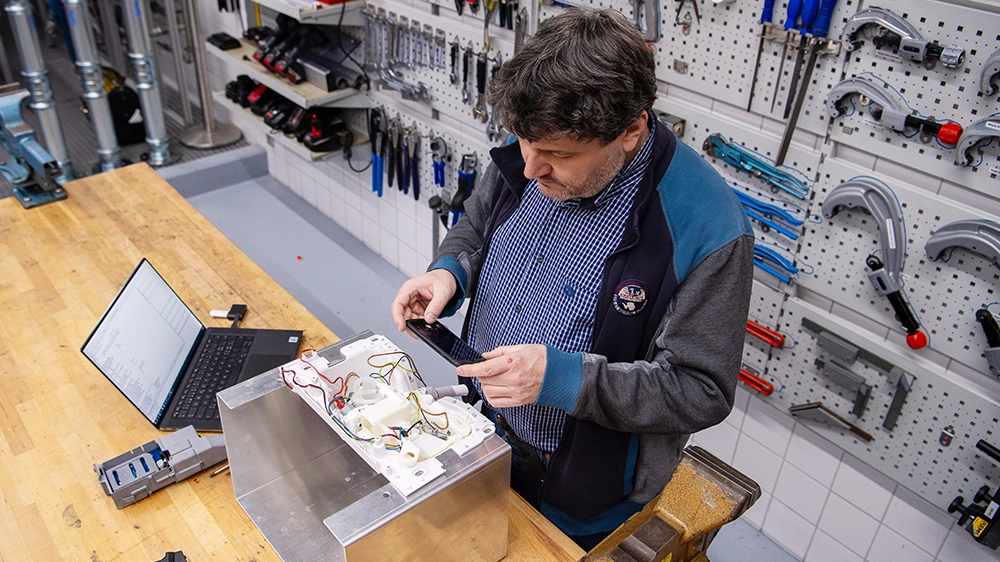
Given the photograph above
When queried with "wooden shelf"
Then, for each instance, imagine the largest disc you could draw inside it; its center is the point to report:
(240, 61)
(319, 13)
(288, 142)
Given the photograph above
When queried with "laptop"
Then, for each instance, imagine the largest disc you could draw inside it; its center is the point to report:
(167, 363)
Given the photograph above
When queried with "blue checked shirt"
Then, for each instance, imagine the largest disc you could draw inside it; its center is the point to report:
(541, 281)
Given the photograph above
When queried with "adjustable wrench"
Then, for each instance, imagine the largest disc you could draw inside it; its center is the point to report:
(466, 63)
(480, 109)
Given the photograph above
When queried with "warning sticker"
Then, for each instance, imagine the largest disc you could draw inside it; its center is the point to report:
(979, 526)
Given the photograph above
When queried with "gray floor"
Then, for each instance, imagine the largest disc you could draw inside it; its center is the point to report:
(78, 132)
(345, 284)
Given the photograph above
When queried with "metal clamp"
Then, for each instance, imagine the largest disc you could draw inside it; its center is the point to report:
(880, 201)
(977, 135)
(981, 236)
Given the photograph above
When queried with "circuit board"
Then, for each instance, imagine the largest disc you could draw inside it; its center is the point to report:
(374, 398)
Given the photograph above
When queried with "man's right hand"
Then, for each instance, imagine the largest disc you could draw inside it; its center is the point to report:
(423, 296)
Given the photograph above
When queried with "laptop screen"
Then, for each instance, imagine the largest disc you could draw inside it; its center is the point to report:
(144, 340)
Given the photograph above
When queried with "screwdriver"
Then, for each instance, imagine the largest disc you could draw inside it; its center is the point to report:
(765, 19)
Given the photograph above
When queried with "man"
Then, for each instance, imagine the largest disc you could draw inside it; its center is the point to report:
(609, 270)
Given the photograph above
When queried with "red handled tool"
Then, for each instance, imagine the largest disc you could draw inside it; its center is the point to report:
(755, 382)
(771, 337)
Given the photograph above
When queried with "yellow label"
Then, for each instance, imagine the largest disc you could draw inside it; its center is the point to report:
(979, 526)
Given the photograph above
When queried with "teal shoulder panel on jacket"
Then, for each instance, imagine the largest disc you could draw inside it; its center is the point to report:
(702, 212)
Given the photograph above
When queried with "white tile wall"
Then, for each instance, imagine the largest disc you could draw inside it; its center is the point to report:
(818, 503)
(822, 504)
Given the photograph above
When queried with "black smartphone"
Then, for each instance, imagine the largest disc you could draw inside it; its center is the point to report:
(445, 342)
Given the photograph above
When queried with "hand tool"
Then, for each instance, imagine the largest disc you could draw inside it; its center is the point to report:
(770, 261)
(889, 108)
(899, 34)
(520, 29)
(459, 5)
(646, 16)
(818, 31)
(755, 382)
(886, 278)
(686, 22)
(977, 136)
(512, 8)
(394, 133)
(494, 130)
(473, 6)
(466, 63)
(489, 6)
(992, 331)
(985, 521)
(817, 411)
(766, 15)
(413, 148)
(769, 336)
(480, 108)
(731, 153)
(454, 62)
(768, 215)
(466, 182)
(504, 13)
(377, 126)
(809, 12)
(439, 153)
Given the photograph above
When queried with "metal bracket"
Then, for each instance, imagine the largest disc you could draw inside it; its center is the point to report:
(837, 347)
(991, 70)
(977, 135)
(903, 387)
(876, 198)
(981, 236)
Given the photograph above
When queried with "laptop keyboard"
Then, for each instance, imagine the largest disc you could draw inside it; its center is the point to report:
(217, 367)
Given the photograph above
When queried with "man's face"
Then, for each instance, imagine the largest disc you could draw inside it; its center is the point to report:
(570, 168)
(567, 168)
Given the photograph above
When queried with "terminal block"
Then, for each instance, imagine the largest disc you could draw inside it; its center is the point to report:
(135, 475)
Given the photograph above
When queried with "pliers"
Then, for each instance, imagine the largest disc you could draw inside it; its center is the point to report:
(377, 132)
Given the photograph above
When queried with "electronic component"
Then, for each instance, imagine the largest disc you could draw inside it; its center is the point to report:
(376, 402)
(135, 475)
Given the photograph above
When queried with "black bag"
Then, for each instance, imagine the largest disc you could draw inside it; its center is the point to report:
(127, 115)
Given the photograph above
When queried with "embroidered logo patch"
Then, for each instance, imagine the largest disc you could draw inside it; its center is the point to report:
(630, 297)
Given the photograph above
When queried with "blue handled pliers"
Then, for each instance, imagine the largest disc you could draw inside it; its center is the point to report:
(378, 128)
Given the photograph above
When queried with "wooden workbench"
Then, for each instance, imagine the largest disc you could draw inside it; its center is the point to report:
(60, 267)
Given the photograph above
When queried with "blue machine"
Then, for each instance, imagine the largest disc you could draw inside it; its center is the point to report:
(30, 169)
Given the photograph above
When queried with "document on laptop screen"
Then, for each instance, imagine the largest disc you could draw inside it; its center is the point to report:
(144, 340)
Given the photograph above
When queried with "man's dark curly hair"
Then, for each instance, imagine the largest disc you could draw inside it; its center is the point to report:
(585, 73)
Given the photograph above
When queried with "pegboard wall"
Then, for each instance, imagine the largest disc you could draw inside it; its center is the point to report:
(912, 450)
(719, 76)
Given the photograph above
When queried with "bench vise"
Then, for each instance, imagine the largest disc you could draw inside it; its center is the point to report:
(31, 170)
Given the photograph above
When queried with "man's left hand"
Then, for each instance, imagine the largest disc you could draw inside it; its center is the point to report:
(511, 375)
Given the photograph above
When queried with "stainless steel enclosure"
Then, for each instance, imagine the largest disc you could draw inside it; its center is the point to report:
(314, 498)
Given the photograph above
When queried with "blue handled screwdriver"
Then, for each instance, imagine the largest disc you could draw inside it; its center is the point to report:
(765, 19)
(810, 10)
